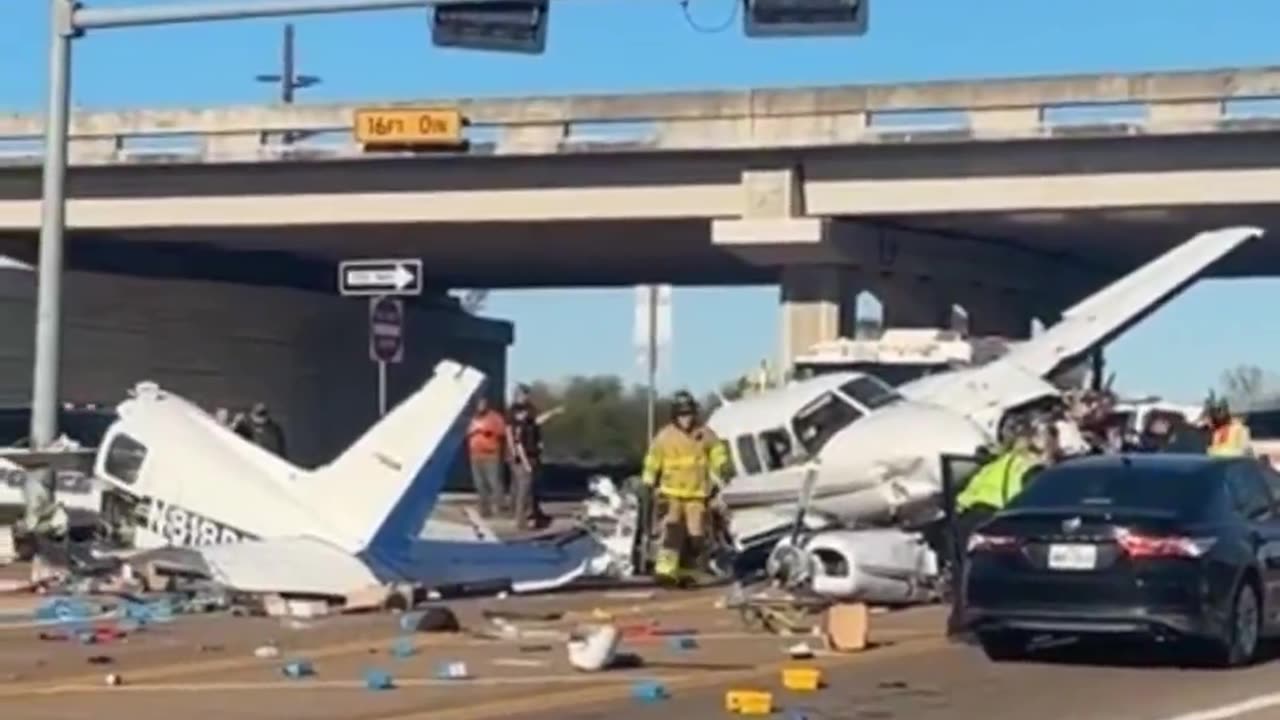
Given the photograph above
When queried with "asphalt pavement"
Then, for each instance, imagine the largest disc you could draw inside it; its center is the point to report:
(200, 667)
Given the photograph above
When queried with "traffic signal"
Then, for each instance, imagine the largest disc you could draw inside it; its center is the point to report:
(780, 18)
(502, 25)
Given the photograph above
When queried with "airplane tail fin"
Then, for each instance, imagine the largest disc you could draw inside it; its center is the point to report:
(381, 490)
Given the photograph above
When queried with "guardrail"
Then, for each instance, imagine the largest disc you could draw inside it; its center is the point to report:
(1048, 107)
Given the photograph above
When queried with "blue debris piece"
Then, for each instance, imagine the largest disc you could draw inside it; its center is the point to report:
(128, 625)
(649, 691)
(378, 680)
(409, 621)
(403, 648)
(794, 714)
(298, 669)
(64, 609)
(682, 642)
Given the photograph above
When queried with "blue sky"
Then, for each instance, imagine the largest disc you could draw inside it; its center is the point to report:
(644, 45)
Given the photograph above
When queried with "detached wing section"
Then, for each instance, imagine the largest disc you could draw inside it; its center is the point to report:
(1103, 316)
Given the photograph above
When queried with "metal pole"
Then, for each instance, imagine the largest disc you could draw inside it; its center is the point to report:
(48, 340)
(382, 388)
(287, 78)
(95, 18)
(652, 357)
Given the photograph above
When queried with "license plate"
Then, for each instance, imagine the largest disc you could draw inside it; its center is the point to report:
(1073, 557)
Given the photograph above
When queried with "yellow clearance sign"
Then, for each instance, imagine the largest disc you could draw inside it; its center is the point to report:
(409, 126)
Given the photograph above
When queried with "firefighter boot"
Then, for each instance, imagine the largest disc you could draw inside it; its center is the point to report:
(666, 567)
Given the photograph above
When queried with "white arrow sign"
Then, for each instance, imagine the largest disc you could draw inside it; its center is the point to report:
(380, 277)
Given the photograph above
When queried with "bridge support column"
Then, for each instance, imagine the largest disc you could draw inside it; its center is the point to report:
(910, 303)
(819, 303)
(993, 312)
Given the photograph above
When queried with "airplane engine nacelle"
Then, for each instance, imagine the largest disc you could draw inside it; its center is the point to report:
(880, 566)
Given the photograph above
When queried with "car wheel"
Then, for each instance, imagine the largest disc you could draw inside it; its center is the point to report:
(1238, 645)
(1003, 646)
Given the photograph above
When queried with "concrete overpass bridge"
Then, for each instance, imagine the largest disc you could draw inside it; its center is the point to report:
(1011, 197)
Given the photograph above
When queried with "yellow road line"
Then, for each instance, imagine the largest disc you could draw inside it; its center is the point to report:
(162, 672)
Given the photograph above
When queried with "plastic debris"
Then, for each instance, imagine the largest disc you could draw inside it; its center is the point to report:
(378, 680)
(114, 680)
(594, 649)
(432, 619)
(64, 609)
(452, 670)
(100, 660)
(298, 669)
(800, 651)
(748, 702)
(266, 652)
(519, 662)
(403, 648)
(802, 679)
(682, 642)
(649, 691)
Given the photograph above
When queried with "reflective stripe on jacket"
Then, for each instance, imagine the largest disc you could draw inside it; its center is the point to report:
(682, 463)
(996, 483)
(1229, 440)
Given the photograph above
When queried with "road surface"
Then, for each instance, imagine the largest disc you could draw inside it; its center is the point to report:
(203, 667)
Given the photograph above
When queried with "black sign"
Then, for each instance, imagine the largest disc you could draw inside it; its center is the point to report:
(386, 330)
(380, 277)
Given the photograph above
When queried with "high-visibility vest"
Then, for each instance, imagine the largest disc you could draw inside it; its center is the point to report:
(996, 483)
(1230, 440)
(682, 464)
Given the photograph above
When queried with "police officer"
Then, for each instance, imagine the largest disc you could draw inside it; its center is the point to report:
(685, 462)
(1230, 437)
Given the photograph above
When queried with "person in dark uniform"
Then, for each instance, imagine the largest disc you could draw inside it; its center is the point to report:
(525, 451)
(264, 431)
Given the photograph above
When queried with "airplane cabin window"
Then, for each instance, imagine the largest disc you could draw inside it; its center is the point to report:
(747, 454)
(124, 459)
(779, 452)
(817, 422)
(870, 392)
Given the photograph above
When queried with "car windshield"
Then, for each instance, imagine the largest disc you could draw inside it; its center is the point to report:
(1181, 491)
(821, 419)
(870, 392)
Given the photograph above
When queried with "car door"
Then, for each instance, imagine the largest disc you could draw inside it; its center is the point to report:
(1253, 498)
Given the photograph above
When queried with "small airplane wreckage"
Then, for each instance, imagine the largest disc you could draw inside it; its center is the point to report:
(838, 480)
(196, 497)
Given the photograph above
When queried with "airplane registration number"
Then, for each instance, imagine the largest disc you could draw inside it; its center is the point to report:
(180, 526)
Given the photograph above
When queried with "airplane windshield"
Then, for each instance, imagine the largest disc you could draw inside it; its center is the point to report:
(870, 392)
(821, 419)
(124, 459)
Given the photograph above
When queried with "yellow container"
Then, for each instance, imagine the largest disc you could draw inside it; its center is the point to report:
(801, 678)
(748, 702)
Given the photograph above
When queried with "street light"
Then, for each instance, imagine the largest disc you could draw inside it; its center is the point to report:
(288, 79)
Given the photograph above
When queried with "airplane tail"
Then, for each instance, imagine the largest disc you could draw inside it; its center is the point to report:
(380, 491)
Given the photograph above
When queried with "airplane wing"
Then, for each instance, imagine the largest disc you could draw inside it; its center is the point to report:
(1103, 316)
(1019, 376)
(310, 566)
(77, 459)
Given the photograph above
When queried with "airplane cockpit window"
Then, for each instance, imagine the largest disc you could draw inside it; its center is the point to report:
(870, 392)
(821, 419)
(124, 459)
(747, 454)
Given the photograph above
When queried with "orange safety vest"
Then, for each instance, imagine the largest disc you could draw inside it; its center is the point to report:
(1231, 439)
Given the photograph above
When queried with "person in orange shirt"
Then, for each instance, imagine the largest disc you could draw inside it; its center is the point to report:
(485, 437)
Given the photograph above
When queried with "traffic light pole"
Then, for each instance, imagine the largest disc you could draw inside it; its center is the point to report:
(70, 21)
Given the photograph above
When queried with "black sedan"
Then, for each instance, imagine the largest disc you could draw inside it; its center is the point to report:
(1164, 547)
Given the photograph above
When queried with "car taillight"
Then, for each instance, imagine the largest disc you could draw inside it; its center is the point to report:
(991, 543)
(1137, 545)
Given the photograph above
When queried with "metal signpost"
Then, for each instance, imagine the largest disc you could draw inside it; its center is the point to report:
(386, 340)
(653, 339)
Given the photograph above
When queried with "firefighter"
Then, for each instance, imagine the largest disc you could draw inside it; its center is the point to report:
(1229, 436)
(685, 462)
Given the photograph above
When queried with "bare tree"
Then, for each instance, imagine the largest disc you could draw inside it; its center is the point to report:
(1246, 384)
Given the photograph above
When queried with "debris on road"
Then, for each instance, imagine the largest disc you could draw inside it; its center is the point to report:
(593, 649)
(378, 680)
(649, 691)
(748, 702)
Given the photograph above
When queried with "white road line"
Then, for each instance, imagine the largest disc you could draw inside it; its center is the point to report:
(1234, 710)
